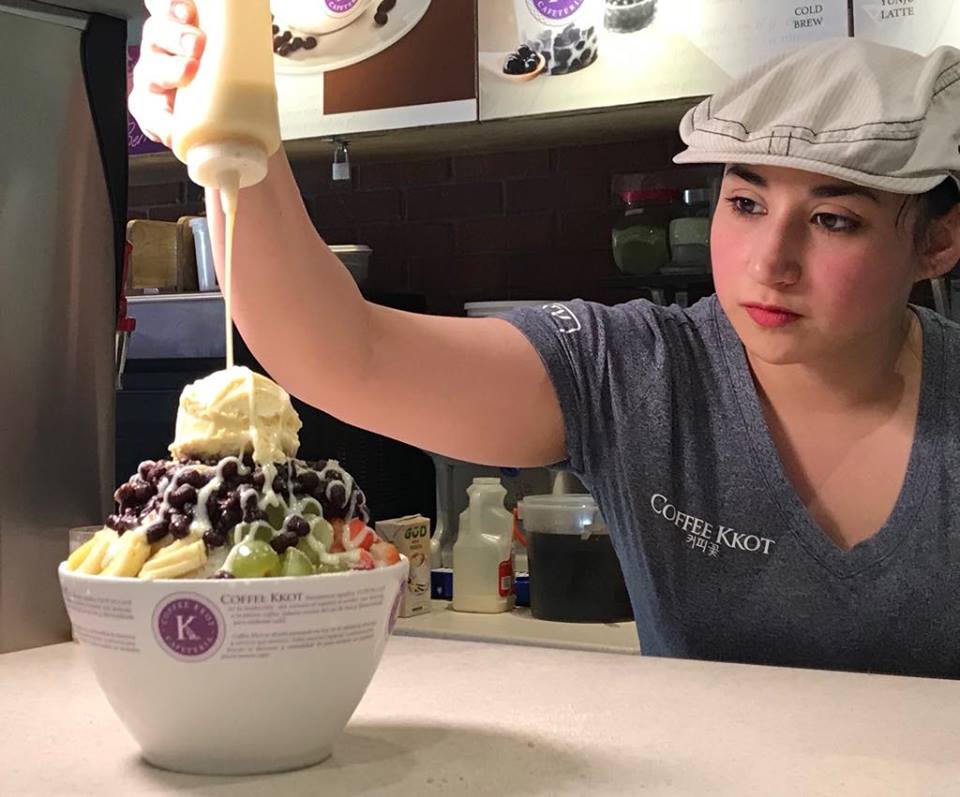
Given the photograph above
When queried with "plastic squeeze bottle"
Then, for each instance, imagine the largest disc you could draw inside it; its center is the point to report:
(225, 122)
(482, 554)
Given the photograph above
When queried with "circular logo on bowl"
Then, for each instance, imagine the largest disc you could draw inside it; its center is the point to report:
(188, 627)
(556, 9)
(341, 6)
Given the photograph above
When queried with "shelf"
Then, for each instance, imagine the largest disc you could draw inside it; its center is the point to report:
(519, 627)
(583, 127)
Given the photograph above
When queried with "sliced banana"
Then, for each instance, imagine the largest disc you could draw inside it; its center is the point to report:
(89, 557)
(175, 561)
(129, 555)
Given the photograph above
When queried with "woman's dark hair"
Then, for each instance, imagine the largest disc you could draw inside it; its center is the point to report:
(932, 205)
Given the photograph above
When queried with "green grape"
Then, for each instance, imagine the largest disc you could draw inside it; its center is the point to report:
(255, 559)
(258, 530)
(337, 566)
(304, 546)
(276, 514)
(310, 506)
(295, 563)
(322, 532)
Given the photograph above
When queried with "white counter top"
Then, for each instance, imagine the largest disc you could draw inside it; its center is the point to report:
(519, 627)
(446, 717)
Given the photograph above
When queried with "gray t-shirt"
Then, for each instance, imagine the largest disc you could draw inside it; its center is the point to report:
(721, 558)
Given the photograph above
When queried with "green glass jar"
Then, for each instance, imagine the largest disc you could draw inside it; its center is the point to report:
(641, 236)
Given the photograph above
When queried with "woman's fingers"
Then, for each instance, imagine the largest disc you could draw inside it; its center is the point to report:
(160, 73)
(181, 10)
(169, 56)
(168, 37)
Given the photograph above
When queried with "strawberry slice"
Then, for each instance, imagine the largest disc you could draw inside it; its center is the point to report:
(358, 534)
(364, 560)
(384, 553)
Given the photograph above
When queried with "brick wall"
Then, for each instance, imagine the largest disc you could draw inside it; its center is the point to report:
(529, 223)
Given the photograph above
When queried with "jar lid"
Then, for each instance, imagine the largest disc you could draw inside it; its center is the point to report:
(696, 196)
(651, 195)
(502, 307)
(573, 513)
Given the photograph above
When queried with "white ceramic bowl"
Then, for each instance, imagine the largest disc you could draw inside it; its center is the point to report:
(235, 676)
(318, 16)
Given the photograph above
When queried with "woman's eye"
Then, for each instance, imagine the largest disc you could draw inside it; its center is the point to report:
(744, 206)
(831, 222)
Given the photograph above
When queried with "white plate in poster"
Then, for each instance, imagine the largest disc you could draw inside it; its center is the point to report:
(358, 41)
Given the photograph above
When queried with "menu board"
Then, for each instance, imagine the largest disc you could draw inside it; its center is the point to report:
(345, 66)
(918, 25)
(543, 56)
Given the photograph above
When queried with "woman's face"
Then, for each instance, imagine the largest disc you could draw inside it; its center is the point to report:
(808, 266)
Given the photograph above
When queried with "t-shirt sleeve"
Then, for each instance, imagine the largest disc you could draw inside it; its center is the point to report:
(593, 354)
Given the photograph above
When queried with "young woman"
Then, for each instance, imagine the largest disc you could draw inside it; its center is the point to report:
(779, 463)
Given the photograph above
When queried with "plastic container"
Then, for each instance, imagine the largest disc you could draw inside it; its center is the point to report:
(482, 554)
(521, 589)
(225, 121)
(640, 237)
(441, 584)
(575, 575)
(206, 273)
(690, 231)
(628, 16)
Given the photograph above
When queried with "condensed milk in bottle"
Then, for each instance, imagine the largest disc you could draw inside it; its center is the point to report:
(225, 121)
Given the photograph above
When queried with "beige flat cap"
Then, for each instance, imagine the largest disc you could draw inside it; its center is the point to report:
(863, 112)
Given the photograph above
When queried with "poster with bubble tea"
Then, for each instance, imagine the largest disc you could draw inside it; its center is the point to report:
(543, 56)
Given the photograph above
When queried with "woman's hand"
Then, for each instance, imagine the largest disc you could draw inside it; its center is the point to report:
(169, 56)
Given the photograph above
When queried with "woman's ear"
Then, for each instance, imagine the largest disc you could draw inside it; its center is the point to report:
(939, 250)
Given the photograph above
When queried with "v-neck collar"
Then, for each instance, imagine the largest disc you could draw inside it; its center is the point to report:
(923, 453)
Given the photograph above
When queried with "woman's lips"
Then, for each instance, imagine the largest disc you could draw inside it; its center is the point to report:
(770, 316)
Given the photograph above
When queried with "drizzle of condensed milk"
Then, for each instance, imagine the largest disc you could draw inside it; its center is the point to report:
(229, 195)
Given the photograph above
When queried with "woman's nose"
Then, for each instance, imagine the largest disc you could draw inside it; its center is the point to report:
(776, 256)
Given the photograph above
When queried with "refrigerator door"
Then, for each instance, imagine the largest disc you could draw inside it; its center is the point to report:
(62, 198)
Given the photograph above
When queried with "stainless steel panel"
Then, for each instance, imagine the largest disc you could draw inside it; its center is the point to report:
(124, 9)
(46, 13)
(56, 323)
(177, 326)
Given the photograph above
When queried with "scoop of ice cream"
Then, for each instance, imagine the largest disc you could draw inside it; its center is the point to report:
(234, 411)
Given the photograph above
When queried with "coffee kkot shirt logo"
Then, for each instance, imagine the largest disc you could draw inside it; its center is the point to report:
(710, 538)
(555, 9)
(188, 627)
